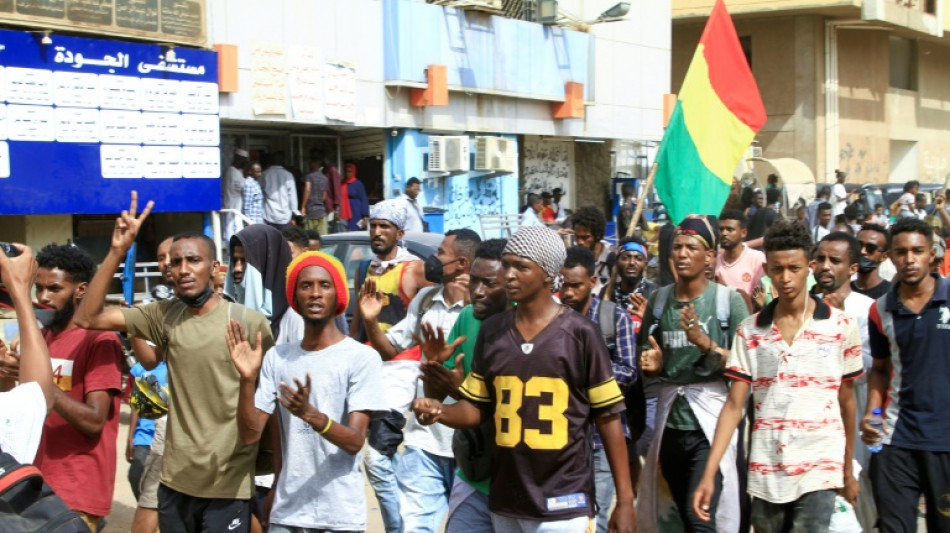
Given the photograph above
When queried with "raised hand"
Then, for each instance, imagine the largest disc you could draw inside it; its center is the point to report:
(432, 342)
(128, 224)
(297, 401)
(371, 301)
(441, 381)
(651, 360)
(427, 410)
(689, 322)
(639, 303)
(247, 360)
(18, 273)
(9, 363)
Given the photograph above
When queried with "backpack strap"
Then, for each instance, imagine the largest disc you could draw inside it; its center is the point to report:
(607, 320)
(723, 299)
(659, 305)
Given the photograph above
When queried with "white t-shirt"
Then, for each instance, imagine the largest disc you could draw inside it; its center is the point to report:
(435, 439)
(22, 413)
(839, 197)
(322, 485)
(859, 306)
(530, 218)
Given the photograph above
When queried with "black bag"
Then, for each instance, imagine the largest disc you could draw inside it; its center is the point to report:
(385, 432)
(28, 504)
(473, 451)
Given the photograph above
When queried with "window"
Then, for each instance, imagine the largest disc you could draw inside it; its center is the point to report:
(746, 44)
(903, 63)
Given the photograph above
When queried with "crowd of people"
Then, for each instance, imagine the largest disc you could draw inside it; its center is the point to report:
(689, 377)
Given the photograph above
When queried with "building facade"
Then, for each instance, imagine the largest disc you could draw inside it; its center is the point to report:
(856, 85)
(379, 83)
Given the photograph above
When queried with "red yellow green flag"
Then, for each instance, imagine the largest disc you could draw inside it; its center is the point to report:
(717, 114)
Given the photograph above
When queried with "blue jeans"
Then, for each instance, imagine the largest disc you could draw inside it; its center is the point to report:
(603, 489)
(425, 482)
(379, 471)
(471, 516)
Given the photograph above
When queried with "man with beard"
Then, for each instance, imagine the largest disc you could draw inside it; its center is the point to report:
(425, 469)
(449, 361)
(909, 329)
(875, 242)
(328, 389)
(577, 292)
(688, 328)
(195, 494)
(629, 289)
(835, 260)
(737, 265)
(77, 453)
(398, 275)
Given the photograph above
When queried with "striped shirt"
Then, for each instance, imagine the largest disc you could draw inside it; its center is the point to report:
(798, 438)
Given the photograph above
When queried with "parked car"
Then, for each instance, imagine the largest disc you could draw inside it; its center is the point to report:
(352, 247)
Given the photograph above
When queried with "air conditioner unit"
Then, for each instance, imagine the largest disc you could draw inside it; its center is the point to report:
(495, 153)
(448, 153)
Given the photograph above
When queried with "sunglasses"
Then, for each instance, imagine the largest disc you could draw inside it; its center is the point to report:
(870, 247)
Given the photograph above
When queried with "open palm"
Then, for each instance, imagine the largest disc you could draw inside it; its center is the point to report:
(247, 360)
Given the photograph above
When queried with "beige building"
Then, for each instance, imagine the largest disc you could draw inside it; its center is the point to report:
(857, 85)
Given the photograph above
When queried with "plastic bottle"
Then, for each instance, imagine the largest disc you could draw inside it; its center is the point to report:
(877, 422)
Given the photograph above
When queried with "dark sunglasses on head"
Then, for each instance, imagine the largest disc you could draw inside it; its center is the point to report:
(870, 247)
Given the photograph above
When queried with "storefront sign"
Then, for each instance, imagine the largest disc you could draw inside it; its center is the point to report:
(85, 121)
(170, 21)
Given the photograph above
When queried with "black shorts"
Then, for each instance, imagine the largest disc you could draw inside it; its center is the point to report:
(181, 513)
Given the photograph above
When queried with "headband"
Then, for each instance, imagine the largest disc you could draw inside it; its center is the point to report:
(634, 246)
(332, 265)
(698, 226)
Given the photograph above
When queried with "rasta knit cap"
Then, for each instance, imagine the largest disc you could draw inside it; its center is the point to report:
(332, 265)
(541, 245)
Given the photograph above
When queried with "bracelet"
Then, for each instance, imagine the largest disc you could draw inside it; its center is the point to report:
(326, 427)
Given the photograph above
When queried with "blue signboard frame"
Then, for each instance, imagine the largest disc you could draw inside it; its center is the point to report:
(55, 177)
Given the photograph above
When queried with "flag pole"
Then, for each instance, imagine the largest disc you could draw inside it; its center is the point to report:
(640, 202)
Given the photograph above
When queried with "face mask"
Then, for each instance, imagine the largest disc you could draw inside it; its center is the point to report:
(435, 270)
(197, 301)
(866, 265)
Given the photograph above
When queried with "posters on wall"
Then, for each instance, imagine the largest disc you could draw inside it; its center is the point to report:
(305, 74)
(89, 120)
(340, 91)
(268, 78)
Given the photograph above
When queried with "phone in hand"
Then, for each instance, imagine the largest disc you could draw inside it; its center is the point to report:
(9, 249)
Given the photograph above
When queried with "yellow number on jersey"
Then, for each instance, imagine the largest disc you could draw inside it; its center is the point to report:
(510, 392)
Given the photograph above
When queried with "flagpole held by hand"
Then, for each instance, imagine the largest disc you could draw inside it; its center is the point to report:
(640, 201)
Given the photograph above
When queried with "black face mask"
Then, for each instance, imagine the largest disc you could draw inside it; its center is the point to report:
(866, 266)
(197, 301)
(435, 270)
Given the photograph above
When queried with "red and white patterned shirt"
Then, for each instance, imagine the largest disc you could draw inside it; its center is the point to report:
(798, 438)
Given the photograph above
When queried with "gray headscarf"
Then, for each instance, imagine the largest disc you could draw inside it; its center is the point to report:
(541, 245)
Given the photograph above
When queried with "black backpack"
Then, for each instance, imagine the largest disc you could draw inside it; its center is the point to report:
(28, 504)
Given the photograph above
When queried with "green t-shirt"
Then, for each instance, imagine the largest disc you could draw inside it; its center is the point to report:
(680, 357)
(204, 455)
(468, 326)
